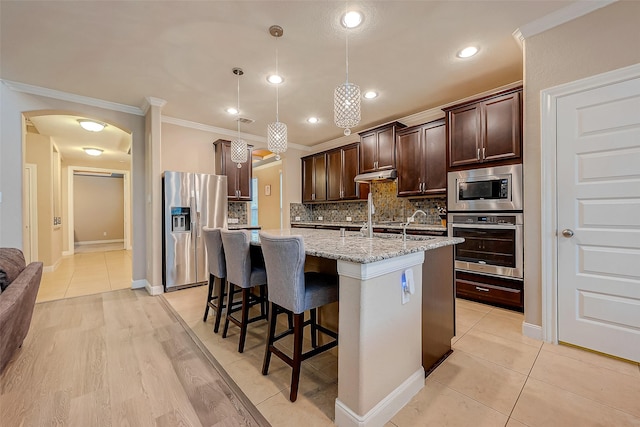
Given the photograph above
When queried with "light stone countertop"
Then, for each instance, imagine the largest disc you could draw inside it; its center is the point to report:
(355, 248)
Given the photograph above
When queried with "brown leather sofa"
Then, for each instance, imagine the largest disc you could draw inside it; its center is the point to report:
(16, 300)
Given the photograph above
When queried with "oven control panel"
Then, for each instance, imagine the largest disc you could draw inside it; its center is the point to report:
(485, 219)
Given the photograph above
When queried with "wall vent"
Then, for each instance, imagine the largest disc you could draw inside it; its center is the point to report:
(244, 120)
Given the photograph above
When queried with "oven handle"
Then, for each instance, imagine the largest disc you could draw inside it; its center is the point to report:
(494, 227)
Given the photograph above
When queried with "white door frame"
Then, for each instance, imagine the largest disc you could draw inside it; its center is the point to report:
(30, 217)
(127, 203)
(549, 238)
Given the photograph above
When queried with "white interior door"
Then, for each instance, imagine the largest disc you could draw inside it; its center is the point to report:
(598, 200)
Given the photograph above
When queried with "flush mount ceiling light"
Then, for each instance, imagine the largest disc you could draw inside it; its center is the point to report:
(346, 99)
(232, 110)
(467, 52)
(275, 78)
(370, 94)
(91, 126)
(238, 146)
(277, 131)
(312, 120)
(93, 151)
(351, 19)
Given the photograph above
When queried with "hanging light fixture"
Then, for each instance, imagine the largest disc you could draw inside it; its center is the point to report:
(277, 131)
(238, 146)
(346, 99)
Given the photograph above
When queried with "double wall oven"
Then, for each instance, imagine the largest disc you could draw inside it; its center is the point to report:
(485, 208)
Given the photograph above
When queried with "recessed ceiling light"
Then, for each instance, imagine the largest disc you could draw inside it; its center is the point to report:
(468, 52)
(91, 126)
(93, 151)
(370, 94)
(232, 110)
(312, 120)
(352, 19)
(275, 79)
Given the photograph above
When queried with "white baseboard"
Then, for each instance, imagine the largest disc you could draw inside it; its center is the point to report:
(99, 242)
(154, 290)
(532, 331)
(139, 284)
(380, 414)
(67, 253)
(52, 268)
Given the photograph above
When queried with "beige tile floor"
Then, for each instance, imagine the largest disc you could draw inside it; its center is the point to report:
(85, 273)
(495, 377)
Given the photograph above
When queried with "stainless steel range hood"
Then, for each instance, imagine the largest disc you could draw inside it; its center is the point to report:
(385, 175)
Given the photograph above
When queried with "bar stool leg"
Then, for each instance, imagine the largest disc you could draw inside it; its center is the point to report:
(298, 328)
(314, 327)
(206, 308)
(273, 317)
(229, 305)
(222, 287)
(246, 293)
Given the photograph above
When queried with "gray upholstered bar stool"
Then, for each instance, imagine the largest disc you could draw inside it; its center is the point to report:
(217, 270)
(242, 273)
(293, 290)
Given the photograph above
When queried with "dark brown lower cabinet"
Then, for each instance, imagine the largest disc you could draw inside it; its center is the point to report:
(498, 291)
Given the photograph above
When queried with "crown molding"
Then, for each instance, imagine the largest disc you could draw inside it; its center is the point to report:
(227, 132)
(150, 101)
(517, 35)
(559, 17)
(70, 97)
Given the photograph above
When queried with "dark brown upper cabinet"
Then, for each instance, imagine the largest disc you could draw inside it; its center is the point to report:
(422, 159)
(314, 178)
(485, 130)
(342, 168)
(378, 148)
(238, 179)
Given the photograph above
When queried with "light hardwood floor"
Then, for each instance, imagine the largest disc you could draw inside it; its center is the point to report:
(116, 359)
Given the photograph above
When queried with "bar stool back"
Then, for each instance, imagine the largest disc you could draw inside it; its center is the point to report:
(217, 270)
(244, 274)
(294, 291)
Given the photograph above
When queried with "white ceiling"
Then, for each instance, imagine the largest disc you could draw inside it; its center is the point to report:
(183, 52)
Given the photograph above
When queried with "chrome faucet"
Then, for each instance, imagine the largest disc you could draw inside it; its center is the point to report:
(409, 221)
(370, 211)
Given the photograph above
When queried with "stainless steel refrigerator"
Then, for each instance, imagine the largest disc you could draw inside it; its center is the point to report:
(191, 201)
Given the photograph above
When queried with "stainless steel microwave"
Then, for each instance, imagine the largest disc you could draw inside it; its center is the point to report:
(488, 189)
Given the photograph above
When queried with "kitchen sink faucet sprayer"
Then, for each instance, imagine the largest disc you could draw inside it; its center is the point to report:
(409, 221)
(370, 211)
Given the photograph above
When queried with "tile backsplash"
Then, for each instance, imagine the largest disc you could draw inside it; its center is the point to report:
(388, 207)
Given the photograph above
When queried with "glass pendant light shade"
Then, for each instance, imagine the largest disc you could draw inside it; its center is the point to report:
(239, 148)
(239, 151)
(346, 106)
(277, 131)
(277, 138)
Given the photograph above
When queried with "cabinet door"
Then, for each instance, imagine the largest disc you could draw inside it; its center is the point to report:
(349, 172)
(229, 169)
(386, 149)
(243, 180)
(410, 160)
(502, 138)
(320, 177)
(307, 179)
(434, 140)
(368, 152)
(334, 174)
(464, 135)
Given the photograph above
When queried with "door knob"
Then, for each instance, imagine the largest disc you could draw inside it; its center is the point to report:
(567, 232)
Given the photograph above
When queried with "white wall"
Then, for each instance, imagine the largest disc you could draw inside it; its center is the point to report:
(601, 41)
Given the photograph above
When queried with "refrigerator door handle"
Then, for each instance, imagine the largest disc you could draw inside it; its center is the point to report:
(194, 215)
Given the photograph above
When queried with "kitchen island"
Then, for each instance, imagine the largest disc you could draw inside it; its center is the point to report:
(380, 362)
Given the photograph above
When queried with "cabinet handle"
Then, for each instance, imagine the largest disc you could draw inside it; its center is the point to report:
(478, 154)
(478, 288)
(483, 156)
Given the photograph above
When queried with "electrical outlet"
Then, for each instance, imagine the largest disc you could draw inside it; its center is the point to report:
(348, 218)
(232, 221)
(320, 218)
(297, 218)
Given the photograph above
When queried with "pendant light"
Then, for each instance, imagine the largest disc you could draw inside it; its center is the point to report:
(277, 131)
(346, 99)
(238, 146)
